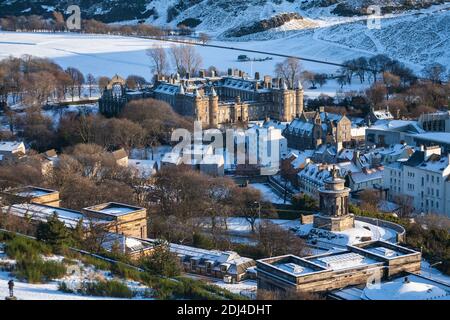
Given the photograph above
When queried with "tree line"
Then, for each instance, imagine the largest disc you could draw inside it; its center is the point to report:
(58, 24)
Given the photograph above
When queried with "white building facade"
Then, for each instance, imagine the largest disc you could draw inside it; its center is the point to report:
(423, 179)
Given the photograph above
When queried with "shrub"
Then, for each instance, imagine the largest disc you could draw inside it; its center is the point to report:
(202, 241)
(107, 288)
(125, 272)
(305, 202)
(97, 263)
(19, 247)
(35, 270)
(62, 286)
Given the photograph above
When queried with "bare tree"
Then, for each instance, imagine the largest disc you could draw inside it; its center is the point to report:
(249, 200)
(204, 38)
(311, 78)
(135, 82)
(90, 80)
(275, 241)
(102, 83)
(159, 61)
(289, 70)
(435, 72)
(186, 59)
(77, 80)
(406, 205)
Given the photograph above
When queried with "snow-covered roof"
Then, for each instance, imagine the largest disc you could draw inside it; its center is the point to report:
(114, 209)
(239, 83)
(299, 126)
(10, 146)
(145, 168)
(383, 114)
(300, 157)
(438, 137)
(127, 244)
(230, 259)
(293, 268)
(411, 287)
(31, 192)
(343, 260)
(171, 157)
(398, 125)
(167, 88)
(435, 163)
(41, 212)
(371, 174)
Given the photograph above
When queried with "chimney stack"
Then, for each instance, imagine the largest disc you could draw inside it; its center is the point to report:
(267, 82)
(256, 75)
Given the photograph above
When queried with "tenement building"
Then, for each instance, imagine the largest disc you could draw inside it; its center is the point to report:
(215, 100)
(422, 180)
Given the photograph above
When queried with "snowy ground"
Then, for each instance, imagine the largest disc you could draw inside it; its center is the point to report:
(323, 237)
(49, 291)
(56, 114)
(268, 193)
(245, 288)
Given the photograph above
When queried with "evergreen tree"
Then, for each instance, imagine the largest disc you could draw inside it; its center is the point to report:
(78, 233)
(54, 232)
(162, 261)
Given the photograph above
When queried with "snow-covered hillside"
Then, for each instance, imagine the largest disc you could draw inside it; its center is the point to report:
(212, 15)
(76, 274)
(415, 37)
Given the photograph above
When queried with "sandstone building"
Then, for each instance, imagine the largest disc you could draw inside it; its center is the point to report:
(313, 129)
(214, 100)
(358, 265)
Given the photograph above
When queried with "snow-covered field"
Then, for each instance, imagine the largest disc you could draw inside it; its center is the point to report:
(109, 55)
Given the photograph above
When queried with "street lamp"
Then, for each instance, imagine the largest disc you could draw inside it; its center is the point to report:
(432, 265)
(259, 209)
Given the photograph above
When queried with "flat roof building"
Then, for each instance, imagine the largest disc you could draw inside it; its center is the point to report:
(126, 219)
(331, 271)
(33, 194)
